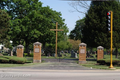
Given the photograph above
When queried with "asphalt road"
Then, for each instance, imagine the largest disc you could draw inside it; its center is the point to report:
(59, 75)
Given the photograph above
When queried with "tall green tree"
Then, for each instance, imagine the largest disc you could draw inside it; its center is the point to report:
(31, 22)
(76, 33)
(95, 31)
(64, 45)
(4, 26)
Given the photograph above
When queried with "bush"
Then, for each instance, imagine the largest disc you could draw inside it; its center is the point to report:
(4, 60)
(107, 62)
(25, 54)
(115, 62)
(101, 62)
(14, 59)
(31, 55)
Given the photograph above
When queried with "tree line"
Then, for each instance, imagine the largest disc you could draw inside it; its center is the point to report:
(27, 21)
(93, 28)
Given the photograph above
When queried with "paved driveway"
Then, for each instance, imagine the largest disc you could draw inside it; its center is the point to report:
(55, 64)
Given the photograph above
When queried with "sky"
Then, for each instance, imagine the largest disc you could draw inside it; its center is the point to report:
(68, 12)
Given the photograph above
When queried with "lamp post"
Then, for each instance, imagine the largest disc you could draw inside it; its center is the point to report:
(11, 51)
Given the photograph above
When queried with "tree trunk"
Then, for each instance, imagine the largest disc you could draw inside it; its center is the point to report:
(116, 52)
(91, 50)
(27, 49)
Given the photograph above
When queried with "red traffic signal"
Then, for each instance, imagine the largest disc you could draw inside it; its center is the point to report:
(108, 13)
(109, 20)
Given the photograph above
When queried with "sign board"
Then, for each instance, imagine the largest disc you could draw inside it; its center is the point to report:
(37, 50)
(19, 50)
(82, 50)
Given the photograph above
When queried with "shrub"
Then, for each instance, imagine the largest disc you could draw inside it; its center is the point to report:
(4, 60)
(14, 59)
(107, 62)
(101, 62)
(115, 62)
(31, 55)
(25, 54)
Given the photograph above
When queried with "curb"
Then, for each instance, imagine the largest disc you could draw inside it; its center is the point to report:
(37, 70)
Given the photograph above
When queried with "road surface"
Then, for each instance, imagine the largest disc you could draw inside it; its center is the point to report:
(18, 74)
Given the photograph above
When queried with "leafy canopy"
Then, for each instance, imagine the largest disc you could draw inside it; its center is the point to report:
(4, 25)
(76, 33)
(95, 31)
(30, 22)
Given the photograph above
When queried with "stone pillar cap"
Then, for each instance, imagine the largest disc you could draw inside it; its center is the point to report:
(20, 46)
(82, 44)
(37, 43)
(100, 47)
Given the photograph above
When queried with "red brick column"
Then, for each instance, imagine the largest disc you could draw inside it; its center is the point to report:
(37, 52)
(20, 50)
(82, 53)
(100, 52)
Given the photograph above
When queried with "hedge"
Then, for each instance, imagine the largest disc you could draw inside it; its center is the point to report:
(4, 60)
(107, 62)
(12, 59)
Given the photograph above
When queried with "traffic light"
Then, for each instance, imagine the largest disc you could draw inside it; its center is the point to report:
(110, 28)
(109, 20)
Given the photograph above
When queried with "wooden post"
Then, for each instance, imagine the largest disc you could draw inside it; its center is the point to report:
(56, 36)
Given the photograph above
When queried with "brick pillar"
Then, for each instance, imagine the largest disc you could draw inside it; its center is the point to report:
(37, 52)
(82, 53)
(100, 52)
(20, 50)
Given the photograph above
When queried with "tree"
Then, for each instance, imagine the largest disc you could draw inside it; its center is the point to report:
(64, 45)
(75, 43)
(95, 31)
(4, 26)
(31, 22)
(77, 5)
(76, 33)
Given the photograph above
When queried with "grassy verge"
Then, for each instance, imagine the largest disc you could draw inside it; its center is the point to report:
(17, 65)
(95, 65)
